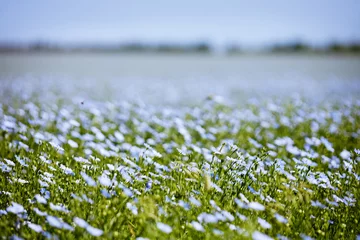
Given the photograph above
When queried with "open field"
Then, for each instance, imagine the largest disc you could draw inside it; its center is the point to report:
(261, 163)
(173, 79)
(128, 171)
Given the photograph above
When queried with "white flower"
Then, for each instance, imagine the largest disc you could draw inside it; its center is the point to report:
(81, 160)
(94, 231)
(317, 204)
(218, 232)
(73, 144)
(40, 213)
(195, 201)
(228, 215)
(111, 167)
(345, 154)
(197, 226)
(327, 144)
(305, 237)
(217, 188)
(240, 203)
(58, 223)
(128, 192)
(119, 136)
(9, 162)
(88, 179)
(54, 221)
(67, 170)
(22, 181)
(59, 208)
(260, 236)
(40, 199)
(15, 208)
(132, 208)
(104, 180)
(263, 223)
(280, 218)
(90, 229)
(80, 222)
(207, 218)
(256, 206)
(164, 227)
(35, 227)
(243, 198)
(15, 237)
(242, 217)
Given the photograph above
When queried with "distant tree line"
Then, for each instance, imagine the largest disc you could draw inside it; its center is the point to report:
(166, 48)
(201, 47)
(299, 47)
(197, 47)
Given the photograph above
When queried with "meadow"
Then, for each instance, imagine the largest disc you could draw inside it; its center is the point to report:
(179, 147)
(265, 169)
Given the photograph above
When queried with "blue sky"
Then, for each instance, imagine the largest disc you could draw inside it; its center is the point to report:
(219, 22)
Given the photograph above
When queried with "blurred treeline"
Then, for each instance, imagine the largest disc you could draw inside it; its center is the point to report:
(198, 47)
(330, 48)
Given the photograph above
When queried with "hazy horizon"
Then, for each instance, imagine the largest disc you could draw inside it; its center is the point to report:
(254, 24)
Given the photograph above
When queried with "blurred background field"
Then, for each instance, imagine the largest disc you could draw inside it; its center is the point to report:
(172, 78)
(174, 53)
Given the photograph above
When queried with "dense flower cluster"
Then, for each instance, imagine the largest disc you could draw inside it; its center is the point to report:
(118, 170)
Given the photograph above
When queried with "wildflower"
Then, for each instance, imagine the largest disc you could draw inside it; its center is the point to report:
(88, 179)
(54, 221)
(35, 227)
(218, 232)
(228, 215)
(197, 226)
(345, 154)
(263, 223)
(80, 222)
(184, 205)
(305, 237)
(207, 218)
(105, 193)
(105, 180)
(15, 208)
(40, 199)
(164, 227)
(59, 208)
(260, 236)
(90, 229)
(194, 201)
(67, 170)
(256, 206)
(132, 208)
(40, 213)
(81, 160)
(94, 231)
(148, 185)
(280, 218)
(73, 144)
